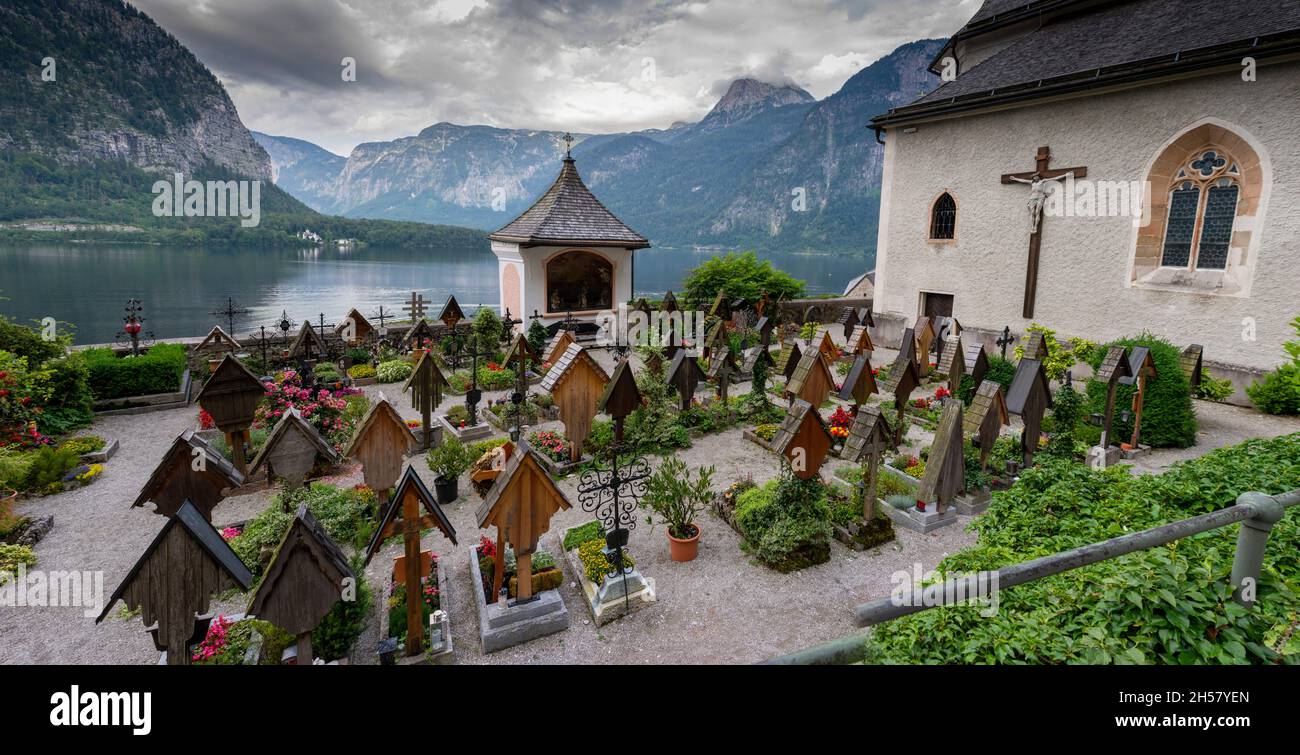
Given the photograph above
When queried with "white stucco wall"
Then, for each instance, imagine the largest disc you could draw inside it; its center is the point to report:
(532, 264)
(1084, 287)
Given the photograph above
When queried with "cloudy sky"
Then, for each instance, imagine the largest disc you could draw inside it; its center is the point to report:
(594, 66)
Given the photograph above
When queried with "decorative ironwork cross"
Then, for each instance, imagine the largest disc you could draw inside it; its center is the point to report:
(381, 317)
(133, 325)
(230, 313)
(613, 495)
(323, 326)
(416, 306)
(508, 323)
(1005, 340)
(568, 145)
(261, 341)
(285, 325)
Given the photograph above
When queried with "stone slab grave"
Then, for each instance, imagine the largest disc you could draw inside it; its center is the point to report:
(616, 596)
(501, 625)
(919, 521)
(467, 434)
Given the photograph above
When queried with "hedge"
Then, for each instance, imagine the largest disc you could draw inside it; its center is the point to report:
(1168, 419)
(158, 370)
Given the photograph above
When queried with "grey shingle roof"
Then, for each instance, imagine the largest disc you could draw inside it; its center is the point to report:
(569, 213)
(1145, 37)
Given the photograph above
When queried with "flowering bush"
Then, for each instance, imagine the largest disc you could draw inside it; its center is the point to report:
(393, 371)
(215, 640)
(230, 533)
(551, 444)
(942, 393)
(18, 408)
(323, 409)
(205, 420)
(922, 403)
(361, 371)
(486, 547)
(840, 418)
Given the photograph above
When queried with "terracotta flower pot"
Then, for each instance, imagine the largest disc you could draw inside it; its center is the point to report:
(7, 498)
(684, 550)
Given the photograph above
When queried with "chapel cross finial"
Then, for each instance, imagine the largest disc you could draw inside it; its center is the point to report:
(568, 145)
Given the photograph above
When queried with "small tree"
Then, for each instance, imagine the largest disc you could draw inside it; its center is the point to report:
(488, 327)
(537, 336)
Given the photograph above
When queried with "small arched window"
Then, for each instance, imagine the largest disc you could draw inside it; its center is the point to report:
(1202, 207)
(943, 218)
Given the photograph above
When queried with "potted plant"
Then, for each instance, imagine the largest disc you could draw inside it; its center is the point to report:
(7, 498)
(677, 500)
(448, 462)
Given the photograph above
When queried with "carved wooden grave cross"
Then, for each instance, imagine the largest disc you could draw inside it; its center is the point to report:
(1041, 173)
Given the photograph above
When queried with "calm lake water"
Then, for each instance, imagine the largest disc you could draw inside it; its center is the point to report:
(87, 285)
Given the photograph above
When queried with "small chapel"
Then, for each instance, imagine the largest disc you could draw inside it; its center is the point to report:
(992, 203)
(566, 256)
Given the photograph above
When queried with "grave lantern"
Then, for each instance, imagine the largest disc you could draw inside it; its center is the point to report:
(173, 582)
(231, 396)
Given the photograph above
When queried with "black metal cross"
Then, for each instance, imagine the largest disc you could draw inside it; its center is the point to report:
(261, 341)
(230, 313)
(568, 144)
(1005, 340)
(614, 495)
(473, 395)
(381, 317)
(284, 325)
(323, 326)
(509, 324)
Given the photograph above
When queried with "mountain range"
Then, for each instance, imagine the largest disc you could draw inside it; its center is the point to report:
(769, 167)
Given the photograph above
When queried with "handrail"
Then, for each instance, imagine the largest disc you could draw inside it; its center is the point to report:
(1257, 512)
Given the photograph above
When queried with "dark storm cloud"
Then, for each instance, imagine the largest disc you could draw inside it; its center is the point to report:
(584, 65)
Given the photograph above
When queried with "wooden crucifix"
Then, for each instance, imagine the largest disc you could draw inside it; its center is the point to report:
(426, 384)
(404, 516)
(868, 439)
(1037, 180)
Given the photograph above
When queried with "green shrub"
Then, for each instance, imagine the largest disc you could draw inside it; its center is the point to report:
(13, 556)
(578, 535)
(741, 276)
(449, 460)
(26, 342)
(158, 370)
(1212, 388)
(334, 637)
(488, 328)
(458, 413)
(14, 468)
(1280, 391)
(1001, 371)
(84, 444)
(260, 537)
(537, 337)
(347, 514)
(359, 355)
(48, 467)
(594, 563)
(1168, 605)
(1168, 419)
(786, 523)
(394, 371)
(1060, 356)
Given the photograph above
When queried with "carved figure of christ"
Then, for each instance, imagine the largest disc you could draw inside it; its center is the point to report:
(1037, 181)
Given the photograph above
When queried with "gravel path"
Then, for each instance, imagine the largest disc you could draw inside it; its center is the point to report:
(720, 608)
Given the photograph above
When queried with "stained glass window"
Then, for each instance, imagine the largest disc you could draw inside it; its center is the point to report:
(1180, 229)
(943, 217)
(1216, 229)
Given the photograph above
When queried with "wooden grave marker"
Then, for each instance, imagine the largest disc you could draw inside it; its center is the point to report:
(309, 344)
(715, 339)
(450, 315)
(1141, 367)
(867, 441)
(355, 328)
(576, 382)
(754, 355)
(231, 396)
(1034, 346)
(903, 378)
(859, 384)
(620, 397)
(217, 341)
(945, 469)
(924, 333)
(803, 439)
(1192, 363)
(193, 471)
(307, 576)
(1029, 397)
(787, 360)
(685, 375)
(418, 334)
(381, 443)
(403, 516)
(824, 344)
(977, 362)
(669, 303)
(722, 367)
(520, 505)
(173, 582)
(952, 363)
(860, 341)
(848, 320)
(425, 384)
(1114, 368)
(559, 343)
(986, 418)
(291, 449)
(812, 380)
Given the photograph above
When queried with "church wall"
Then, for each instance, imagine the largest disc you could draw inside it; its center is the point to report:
(1085, 286)
(533, 274)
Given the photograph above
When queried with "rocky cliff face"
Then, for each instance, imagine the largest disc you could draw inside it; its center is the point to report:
(134, 94)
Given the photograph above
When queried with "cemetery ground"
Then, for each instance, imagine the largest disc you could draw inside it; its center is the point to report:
(723, 607)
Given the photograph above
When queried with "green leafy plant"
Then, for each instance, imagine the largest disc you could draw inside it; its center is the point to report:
(449, 460)
(785, 523)
(1212, 388)
(675, 498)
(537, 337)
(740, 275)
(394, 371)
(1279, 392)
(576, 536)
(594, 562)
(12, 557)
(158, 370)
(1060, 356)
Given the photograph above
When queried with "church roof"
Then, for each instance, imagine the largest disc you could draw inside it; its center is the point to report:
(568, 213)
(1079, 45)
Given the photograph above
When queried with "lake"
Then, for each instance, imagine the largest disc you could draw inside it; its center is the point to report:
(87, 285)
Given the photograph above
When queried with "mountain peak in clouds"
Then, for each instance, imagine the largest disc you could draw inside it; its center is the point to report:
(747, 97)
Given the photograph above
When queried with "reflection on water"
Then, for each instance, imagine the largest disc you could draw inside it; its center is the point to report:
(87, 285)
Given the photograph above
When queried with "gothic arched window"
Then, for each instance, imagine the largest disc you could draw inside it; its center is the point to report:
(1201, 210)
(943, 218)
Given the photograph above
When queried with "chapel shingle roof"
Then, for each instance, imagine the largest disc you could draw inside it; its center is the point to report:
(568, 213)
(1083, 45)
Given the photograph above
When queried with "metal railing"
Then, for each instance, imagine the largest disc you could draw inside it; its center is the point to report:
(1257, 513)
